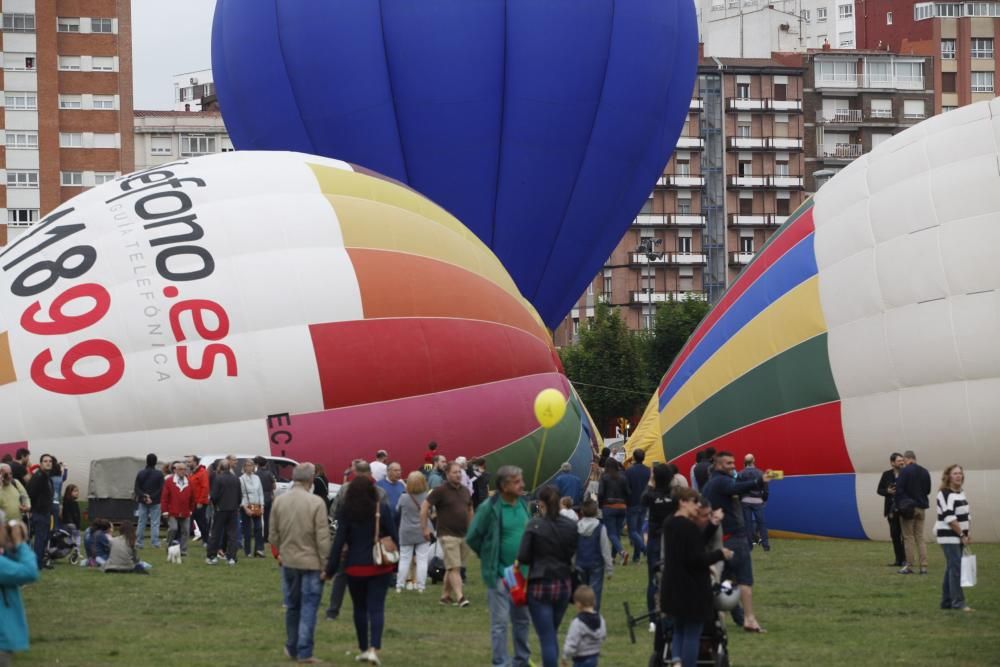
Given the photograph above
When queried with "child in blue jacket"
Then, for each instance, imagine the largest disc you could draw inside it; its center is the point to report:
(18, 566)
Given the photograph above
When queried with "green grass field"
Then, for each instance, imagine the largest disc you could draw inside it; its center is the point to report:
(823, 602)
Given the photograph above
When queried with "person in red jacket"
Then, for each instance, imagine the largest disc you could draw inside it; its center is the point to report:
(177, 504)
(199, 485)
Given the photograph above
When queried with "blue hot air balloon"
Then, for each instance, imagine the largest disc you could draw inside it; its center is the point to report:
(541, 125)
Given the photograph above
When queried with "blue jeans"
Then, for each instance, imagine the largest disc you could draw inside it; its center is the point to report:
(593, 577)
(952, 595)
(151, 512)
(368, 598)
(687, 641)
(40, 529)
(256, 523)
(614, 519)
(589, 661)
(546, 617)
(636, 515)
(753, 520)
(303, 590)
(502, 613)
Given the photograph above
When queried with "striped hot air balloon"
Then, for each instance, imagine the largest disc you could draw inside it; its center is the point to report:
(271, 303)
(868, 324)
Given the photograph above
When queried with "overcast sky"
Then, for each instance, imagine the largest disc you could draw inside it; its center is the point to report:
(168, 37)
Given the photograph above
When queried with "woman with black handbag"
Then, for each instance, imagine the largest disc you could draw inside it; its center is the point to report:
(547, 548)
(366, 528)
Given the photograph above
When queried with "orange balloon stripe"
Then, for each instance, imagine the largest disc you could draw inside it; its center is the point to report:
(7, 374)
(395, 284)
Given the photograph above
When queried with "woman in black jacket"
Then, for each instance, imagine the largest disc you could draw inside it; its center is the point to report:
(658, 501)
(547, 547)
(612, 495)
(686, 590)
(366, 581)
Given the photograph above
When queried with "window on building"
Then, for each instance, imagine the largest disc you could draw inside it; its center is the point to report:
(879, 137)
(805, 15)
(70, 140)
(780, 92)
(683, 166)
(70, 102)
(783, 206)
(21, 217)
(607, 283)
(101, 25)
(909, 73)
(888, 18)
(781, 167)
(879, 73)
(102, 177)
(64, 24)
(22, 140)
(913, 109)
(746, 244)
(982, 48)
(746, 205)
(161, 145)
(590, 289)
(821, 15)
(982, 82)
(22, 178)
(845, 11)
(684, 244)
(881, 108)
(21, 101)
(745, 168)
(845, 40)
(18, 22)
(743, 91)
(947, 109)
(19, 62)
(949, 83)
(684, 205)
(647, 206)
(836, 70)
(197, 144)
(69, 62)
(226, 144)
(743, 129)
(71, 178)
(104, 101)
(947, 49)
(102, 64)
(105, 140)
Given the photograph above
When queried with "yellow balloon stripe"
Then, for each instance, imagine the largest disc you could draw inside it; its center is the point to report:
(7, 374)
(648, 436)
(793, 318)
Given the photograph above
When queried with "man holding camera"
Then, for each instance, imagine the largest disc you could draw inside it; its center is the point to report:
(14, 500)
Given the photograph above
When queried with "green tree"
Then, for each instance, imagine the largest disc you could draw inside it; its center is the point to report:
(674, 323)
(606, 367)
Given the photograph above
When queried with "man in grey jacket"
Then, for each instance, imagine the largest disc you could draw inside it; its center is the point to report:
(300, 531)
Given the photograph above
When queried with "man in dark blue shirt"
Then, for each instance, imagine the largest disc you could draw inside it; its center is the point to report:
(638, 479)
(148, 486)
(569, 484)
(913, 486)
(723, 490)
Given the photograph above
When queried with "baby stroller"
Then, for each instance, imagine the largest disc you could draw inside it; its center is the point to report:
(714, 640)
(62, 544)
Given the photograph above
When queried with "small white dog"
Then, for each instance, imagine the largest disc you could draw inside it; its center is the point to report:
(174, 553)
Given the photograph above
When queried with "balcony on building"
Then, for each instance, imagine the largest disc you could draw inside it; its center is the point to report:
(840, 151)
(740, 258)
(697, 104)
(785, 182)
(645, 297)
(746, 104)
(681, 181)
(691, 143)
(784, 143)
(763, 220)
(855, 81)
(747, 143)
(668, 258)
(670, 220)
(784, 106)
(747, 181)
(839, 117)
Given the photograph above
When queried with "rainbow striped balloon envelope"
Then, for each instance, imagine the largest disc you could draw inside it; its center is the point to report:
(869, 324)
(271, 303)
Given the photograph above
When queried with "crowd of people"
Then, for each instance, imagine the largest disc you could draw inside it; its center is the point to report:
(537, 554)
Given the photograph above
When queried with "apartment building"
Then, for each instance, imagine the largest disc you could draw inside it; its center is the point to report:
(67, 93)
(164, 136)
(960, 37)
(736, 174)
(757, 28)
(855, 100)
(191, 87)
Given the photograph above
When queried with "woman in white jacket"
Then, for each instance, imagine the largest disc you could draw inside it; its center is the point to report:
(252, 508)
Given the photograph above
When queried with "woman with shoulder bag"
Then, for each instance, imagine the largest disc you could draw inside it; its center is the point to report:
(252, 506)
(366, 529)
(547, 547)
(411, 538)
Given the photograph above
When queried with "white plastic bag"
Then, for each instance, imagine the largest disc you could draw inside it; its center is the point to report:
(968, 569)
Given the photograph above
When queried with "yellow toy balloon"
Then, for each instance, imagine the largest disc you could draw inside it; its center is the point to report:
(550, 407)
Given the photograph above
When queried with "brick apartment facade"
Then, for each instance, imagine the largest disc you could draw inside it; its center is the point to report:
(736, 174)
(960, 37)
(67, 118)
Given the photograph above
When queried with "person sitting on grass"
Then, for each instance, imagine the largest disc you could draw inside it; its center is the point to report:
(123, 558)
(586, 633)
(96, 543)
